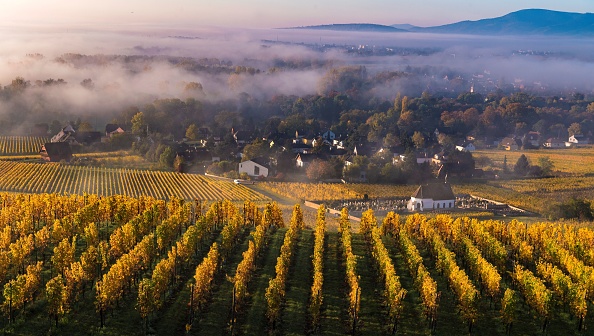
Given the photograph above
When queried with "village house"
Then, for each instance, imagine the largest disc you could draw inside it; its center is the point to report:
(256, 167)
(509, 144)
(466, 147)
(366, 149)
(424, 158)
(578, 140)
(554, 143)
(66, 134)
(242, 137)
(301, 148)
(303, 160)
(392, 153)
(339, 143)
(316, 142)
(531, 140)
(337, 152)
(432, 196)
(329, 136)
(113, 129)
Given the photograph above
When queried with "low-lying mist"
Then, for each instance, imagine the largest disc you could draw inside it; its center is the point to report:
(105, 71)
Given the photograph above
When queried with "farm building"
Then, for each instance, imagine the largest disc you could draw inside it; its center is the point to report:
(432, 197)
(56, 152)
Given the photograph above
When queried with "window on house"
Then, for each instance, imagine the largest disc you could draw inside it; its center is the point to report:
(256, 170)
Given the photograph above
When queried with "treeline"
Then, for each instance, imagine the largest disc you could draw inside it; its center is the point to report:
(575, 208)
(348, 100)
(357, 116)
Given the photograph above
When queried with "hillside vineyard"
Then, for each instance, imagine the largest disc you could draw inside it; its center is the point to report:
(132, 266)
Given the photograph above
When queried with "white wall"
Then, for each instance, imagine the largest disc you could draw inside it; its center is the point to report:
(249, 167)
(429, 204)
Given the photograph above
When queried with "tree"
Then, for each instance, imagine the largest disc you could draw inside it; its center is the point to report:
(574, 129)
(409, 164)
(390, 140)
(342, 79)
(178, 164)
(522, 166)
(546, 164)
(391, 173)
(446, 141)
(18, 85)
(406, 120)
(578, 96)
(255, 149)
(55, 127)
(460, 163)
(377, 125)
(418, 139)
(167, 156)
(139, 123)
(557, 129)
(319, 169)
(85, 126)
(87, 83)
(353, 171)
(404, 102)
(192, 132)
(574, 208)
(193, 87)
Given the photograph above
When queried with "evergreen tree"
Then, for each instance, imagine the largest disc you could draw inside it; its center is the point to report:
(522, 166)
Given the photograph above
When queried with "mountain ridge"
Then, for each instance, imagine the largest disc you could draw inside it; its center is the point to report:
(352, 27)
(523, 22)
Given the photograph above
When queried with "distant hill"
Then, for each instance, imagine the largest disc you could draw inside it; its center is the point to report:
(369, 27)
(404, 26)
(523, 22)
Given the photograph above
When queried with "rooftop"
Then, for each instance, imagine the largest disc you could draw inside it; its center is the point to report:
(435, 191)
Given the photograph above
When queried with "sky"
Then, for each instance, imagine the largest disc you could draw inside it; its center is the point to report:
(264, 13)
